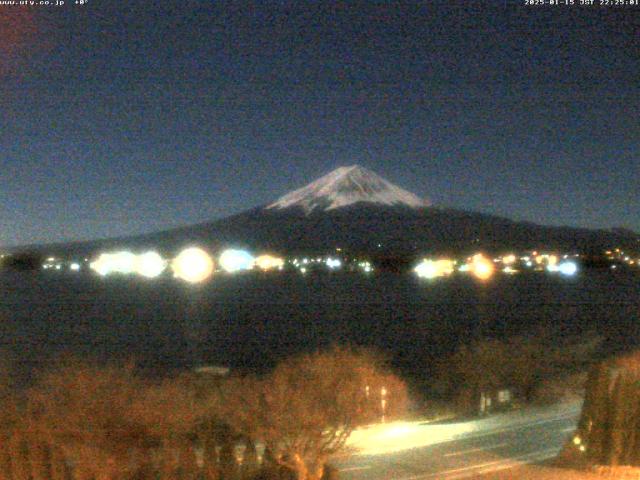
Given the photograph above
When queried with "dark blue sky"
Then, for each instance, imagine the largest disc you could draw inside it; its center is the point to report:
(118, 119)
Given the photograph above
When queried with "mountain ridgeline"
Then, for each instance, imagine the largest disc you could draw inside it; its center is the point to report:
(358, 211)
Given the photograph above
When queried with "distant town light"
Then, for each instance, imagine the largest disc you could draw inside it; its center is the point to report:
(333, 263)
(233, 260)
(117, 262)
(427, 269)
(74, 267)
(269, 262)
(568, 268)
(150, 264)
(481, 267)
(433, 269)
(509, 259)
(193, 265)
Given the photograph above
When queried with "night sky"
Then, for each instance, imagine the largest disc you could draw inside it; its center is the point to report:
(126, 117)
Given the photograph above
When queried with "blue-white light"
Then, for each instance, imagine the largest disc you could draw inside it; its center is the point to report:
(568, 268)
(235, 260)
(333, 263)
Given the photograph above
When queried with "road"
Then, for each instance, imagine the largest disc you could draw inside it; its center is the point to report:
(414, 451)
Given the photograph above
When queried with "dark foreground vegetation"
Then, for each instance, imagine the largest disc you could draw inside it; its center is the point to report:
(85, 421)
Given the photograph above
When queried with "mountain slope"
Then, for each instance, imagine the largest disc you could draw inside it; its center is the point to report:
(358, 211)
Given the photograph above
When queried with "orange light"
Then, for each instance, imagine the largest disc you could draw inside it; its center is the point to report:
(269, 262)
(481, 267)
(509, 259)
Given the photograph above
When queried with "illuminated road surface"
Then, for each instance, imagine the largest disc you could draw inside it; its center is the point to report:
(460, 450)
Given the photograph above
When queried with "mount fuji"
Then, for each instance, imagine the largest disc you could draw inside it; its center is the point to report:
(347, 186)
(357, 210)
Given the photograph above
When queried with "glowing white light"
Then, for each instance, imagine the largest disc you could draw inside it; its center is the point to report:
(118, 262)
(269, 262)
(433, 269)
(568, 268)
(193, 265)
(427, 269)
(100, 265)
(509, 270)
(235, 260)
(150, 264)
(529, 264)
(333, 263)
(74, 267)
(303, 270)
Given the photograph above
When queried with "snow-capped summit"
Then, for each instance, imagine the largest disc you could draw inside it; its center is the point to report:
(345, 186)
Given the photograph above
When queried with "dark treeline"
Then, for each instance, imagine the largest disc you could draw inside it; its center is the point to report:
(87, 421)
(541, 367)
(609, 428)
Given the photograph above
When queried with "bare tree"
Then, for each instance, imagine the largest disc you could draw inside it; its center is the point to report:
(307, 408)
(169, 413)
(82, 411)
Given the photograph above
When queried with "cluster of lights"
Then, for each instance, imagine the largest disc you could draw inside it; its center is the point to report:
(149, 264)
(365, 266)
(269, 262)
(192, 264)
(567, 268)
(333, 263)
(53, 263)
(577, 441)
(620, 256)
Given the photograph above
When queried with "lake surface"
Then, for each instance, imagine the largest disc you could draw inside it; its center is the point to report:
(252, 320)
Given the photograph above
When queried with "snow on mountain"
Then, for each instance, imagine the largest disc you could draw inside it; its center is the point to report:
(345, 186)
